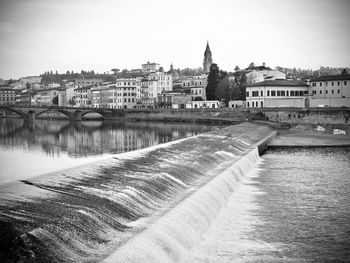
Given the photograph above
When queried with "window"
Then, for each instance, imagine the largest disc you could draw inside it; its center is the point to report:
(255, 93)
(314, 92)
(332, 83)
(268, 93)
(345, 83)
(320, 84)
(338, 91)
(332, 91)
(261, 93)
(292, 93)
(320, 91)
(278, 93)
(326, 83)
(287, 92)
(314, 84)
(283, 93)
(326, 91)
(247, 104)
(338, 83)
(261, 104)
(273, 93)
(247, 95)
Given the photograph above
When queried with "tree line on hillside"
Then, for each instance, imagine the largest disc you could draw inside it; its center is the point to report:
(50, 77)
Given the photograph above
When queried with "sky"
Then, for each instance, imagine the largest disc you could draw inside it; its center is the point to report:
(42, 35)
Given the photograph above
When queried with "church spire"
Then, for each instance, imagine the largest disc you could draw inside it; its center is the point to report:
(207, 61)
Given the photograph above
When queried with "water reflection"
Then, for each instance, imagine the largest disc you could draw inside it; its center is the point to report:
(86, 138)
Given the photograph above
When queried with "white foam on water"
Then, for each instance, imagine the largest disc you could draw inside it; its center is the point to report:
(189, 231)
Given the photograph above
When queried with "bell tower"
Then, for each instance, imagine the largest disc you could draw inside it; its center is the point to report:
(207, 61)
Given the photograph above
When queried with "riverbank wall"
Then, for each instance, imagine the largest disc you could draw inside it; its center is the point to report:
(291, 116)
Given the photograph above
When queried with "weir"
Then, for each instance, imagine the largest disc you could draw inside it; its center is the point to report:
(150, 205)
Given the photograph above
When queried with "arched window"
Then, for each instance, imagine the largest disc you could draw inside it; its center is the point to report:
(261, 104)
(248, 104)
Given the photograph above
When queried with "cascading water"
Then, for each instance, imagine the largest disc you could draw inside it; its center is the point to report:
(172, 236)
(151, 205)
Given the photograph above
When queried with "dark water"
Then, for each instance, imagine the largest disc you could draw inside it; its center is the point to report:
(45, 145)
(305, 208)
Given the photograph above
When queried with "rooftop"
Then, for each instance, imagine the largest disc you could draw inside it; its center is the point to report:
(332, 77)
(279, 83)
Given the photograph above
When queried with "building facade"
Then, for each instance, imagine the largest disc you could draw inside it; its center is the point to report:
(330, 91)
(149, 92)
(45, 97)
(197, 85)
(128, 93)
(87, 82)
(150, 67)
(277, 93)
(7, 96)
(82, 96)
(164, 81)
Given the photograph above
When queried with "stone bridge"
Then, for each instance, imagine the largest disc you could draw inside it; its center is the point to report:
(74, 114)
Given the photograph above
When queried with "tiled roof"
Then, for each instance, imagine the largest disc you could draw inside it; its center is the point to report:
(278, 82)
(332, 77)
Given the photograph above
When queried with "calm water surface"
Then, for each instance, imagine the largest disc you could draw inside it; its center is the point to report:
(29, 149)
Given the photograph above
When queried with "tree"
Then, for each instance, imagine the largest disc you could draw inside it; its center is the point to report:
(55, 100)
(213, 78)
(67, 73)
(161, 69)
(238, 86)
(215, 75)
(115, 71)
(251, 65)
(56, 72)
(27, 85)
(344, 72)
(237, 68)
(223, 91)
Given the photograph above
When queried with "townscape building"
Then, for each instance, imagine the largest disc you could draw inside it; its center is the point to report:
(276, 93)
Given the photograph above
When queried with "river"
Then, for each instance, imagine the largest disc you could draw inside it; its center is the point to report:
(31, 149)
(210, 198)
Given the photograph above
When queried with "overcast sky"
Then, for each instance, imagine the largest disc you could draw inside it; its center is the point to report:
(42, 35)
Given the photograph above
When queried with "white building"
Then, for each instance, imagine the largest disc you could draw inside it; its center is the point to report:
(330, 91)
(277, 93)
(128, 93)
(150, 67)
(164, 81)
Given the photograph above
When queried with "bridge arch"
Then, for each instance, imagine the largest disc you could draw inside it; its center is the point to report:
(19, 112)
(64, 112)
(101, 112)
